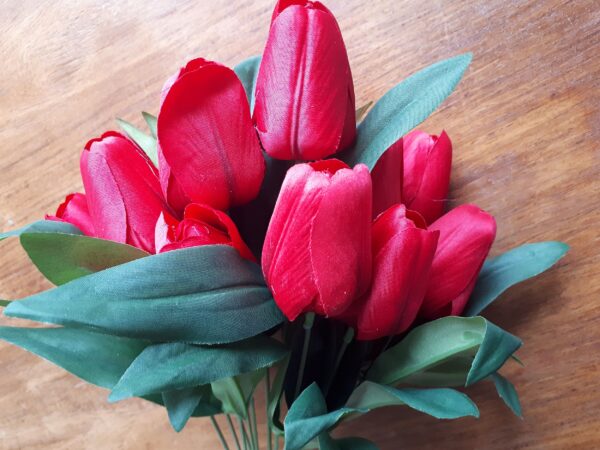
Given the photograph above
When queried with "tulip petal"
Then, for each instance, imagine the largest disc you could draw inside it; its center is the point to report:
(466, 235)
(304, 106)
(123, 191)
(207, 139)
(388, 179)
(427, 165)
(335, 261)
(74, 210)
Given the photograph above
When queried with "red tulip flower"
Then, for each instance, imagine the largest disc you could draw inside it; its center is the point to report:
(427, 163)
(74, 210)
(208, 149)
(201, 225)
(304, 99)
(403, 251)
(123, 192)
(466, 235)
(317, 251)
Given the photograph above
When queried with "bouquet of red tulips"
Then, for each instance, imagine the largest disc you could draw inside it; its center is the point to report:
(257, 233)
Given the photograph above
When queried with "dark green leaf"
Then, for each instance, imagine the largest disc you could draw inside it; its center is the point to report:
(441, 403)
(96, 358)
(166, 367)
(4, 302)
(182, 403)
(519, 264)
(404, 107)
(441, 341)
(247, 71)
(152, 121)
(205, 294)
(43, 226)
(508, 394)
(307, 418)
(145, 142)
(65, 257)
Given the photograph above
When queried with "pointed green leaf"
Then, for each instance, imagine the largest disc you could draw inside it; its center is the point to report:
(145, 142)
(273, 408)
(200, 294)
(66, 257)
(96, 358)
(4, 302)
(247, 71)
(166, 367)
(404, 107)
(43, 226)
(441, 403)
(151, 121)
(235, 392)
(507, 393)
(443, 340)
(183, 403)
(519, 264)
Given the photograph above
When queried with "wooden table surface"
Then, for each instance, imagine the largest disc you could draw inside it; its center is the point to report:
(525, 123)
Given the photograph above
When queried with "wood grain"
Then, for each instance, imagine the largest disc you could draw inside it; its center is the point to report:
(525, 123)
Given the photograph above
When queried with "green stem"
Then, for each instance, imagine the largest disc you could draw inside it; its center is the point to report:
(338, 360)
(267, 402)
(309, 319)
(233, 433)
(219, 432)
(253, 424)
(244, 433)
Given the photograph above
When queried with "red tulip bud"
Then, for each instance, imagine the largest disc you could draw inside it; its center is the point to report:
(427, 162)
(74, 210)
(317, 251)
(123, 192)
(466, 235)
(201, 225)
(304, 99)
(403, 250)
(208, 149)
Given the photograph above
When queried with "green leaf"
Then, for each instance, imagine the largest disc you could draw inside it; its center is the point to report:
(43, 226)
(66, 257)
(145, 142)
(360, 112)
(4, 302)
(247, 71)
(151, 121)
(182, 403)
(202, 294)
(326, 442)
(519, 264)
(508, 393)
(170, 366)
(441, 341)
(441, 403)
(273, 408)
(235, 392)
(96, 358)
(308, 418)
(404, 107)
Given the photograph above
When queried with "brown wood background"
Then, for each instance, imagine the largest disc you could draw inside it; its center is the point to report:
(525, 123)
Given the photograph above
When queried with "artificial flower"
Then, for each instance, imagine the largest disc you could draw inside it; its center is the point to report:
(74, 210)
